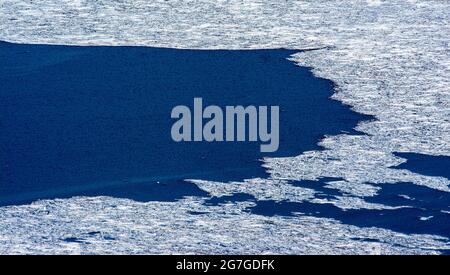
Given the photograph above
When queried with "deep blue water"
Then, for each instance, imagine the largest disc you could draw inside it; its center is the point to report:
(438, 166)
(96, 120)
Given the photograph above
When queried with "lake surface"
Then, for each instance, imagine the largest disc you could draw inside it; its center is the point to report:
(96, 120)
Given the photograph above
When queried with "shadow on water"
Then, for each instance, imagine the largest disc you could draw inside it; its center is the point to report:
(96, 120)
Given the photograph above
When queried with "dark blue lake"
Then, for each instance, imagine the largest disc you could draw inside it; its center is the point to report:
(96, 120)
